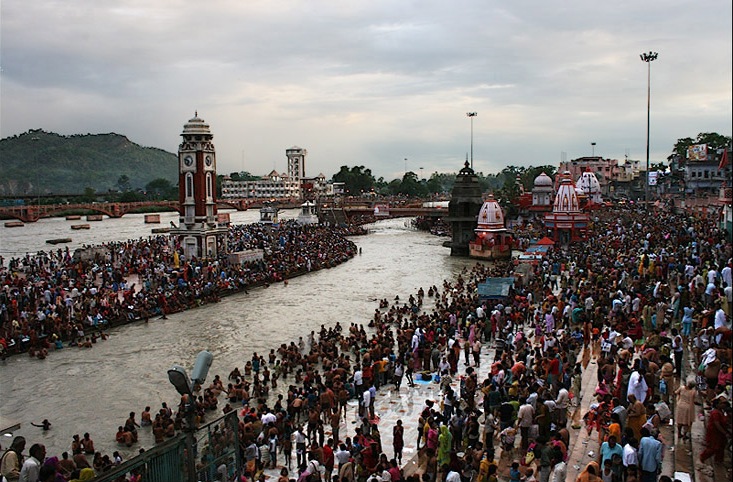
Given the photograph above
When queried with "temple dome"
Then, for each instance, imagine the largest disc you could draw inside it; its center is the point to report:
(490, 217)
(566, 200)
(588, 183)
(543, 180)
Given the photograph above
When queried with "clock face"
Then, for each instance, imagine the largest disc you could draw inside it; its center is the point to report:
(209, 161)
(188, 161)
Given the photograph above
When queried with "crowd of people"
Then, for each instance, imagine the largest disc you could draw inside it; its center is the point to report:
(645, 302)
(56, 299)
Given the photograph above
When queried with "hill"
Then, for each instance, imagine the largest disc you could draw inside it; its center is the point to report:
(38, 162)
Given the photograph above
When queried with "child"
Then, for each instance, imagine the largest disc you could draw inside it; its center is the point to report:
(631, 474)
(514, 474)
(607, 473)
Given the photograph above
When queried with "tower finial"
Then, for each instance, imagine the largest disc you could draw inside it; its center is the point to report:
(196, 113)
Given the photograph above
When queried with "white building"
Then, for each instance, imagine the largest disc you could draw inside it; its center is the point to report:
(290, 185)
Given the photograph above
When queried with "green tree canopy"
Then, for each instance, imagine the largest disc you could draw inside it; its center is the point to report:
(712, 139)
(243, 176)
(357, 179)
(161, 188)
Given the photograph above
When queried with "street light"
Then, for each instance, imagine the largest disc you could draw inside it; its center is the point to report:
(648, 58)
(593, 147)
(184, 385)
(405, 165)
(471, 115)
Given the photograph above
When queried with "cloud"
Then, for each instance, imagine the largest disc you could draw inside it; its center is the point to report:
(371, 83)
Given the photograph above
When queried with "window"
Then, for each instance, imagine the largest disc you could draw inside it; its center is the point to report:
(189, 185)
(707, 174)
(208, 185)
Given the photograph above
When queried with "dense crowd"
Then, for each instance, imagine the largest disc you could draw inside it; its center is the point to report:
(647, 300)
(50, 298)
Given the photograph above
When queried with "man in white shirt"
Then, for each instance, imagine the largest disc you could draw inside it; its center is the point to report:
(720, 321)
(637, 385)
(365, 402)
(559, 470)
(630, 457)
(32, 465)
(561, 404)
(358, 382)
(525, 418)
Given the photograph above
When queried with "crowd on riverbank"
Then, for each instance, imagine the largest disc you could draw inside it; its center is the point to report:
(51, 300)
(641, 296)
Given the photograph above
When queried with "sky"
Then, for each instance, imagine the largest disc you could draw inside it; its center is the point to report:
(385, 84)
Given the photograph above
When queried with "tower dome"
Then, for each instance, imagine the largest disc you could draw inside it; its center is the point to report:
(566, 200)
(196, 126)
(491, 216)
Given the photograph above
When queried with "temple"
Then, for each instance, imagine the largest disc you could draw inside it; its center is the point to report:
(566, 223)
(466, 201)
(493, 240)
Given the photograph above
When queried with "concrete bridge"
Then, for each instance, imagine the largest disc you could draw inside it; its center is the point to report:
(34, 212)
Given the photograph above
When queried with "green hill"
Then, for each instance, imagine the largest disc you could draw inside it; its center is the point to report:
(38, 162)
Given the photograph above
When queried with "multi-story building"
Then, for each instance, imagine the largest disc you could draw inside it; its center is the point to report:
(614, 176)
(291, 185)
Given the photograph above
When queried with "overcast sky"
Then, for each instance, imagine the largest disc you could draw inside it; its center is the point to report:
(372, 82)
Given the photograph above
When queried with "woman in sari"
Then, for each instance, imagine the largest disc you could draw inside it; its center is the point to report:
(445, 443)
(590, 473)
(636, 416)
(685, 408)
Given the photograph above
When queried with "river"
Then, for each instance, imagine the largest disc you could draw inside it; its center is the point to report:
(92, 390)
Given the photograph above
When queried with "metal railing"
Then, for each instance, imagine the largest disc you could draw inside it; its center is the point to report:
(215, 450)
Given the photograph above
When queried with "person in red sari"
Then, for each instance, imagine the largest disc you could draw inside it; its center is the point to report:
(717, 432)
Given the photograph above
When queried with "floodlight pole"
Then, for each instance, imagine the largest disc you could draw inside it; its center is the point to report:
(648, 58)
(471, 115)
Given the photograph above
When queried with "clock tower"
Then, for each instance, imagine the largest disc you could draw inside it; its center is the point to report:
(198, 233)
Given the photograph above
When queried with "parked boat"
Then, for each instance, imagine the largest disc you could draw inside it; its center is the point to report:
(79, 226)
(73, 217)
(152, 218)
(160, 230)
(94, 217)
(14, 224)
(58, 240)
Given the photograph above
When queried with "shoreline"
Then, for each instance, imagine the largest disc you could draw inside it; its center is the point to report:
(202, 299)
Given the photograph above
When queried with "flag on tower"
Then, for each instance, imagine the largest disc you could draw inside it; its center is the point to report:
(723, 159)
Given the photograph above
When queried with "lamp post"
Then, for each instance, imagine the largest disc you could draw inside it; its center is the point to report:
(405, 165)
(648, 58)
(471, 115)
(184, 385)
(593, 149)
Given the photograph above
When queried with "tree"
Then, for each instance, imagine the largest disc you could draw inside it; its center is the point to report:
(411, 186)
(243, 176)
(161, 188)
(123, 183)
(712, 139)
(356, 179)
(89, 195)
(131, 197)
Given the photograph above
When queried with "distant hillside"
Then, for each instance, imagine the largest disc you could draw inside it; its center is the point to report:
(38, 162)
